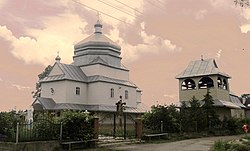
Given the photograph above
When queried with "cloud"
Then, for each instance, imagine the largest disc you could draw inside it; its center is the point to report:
(245, 27)
(200, 14)
(150, 44)
(41, 45)
(20, 87)
(62, 31)
(218, 54)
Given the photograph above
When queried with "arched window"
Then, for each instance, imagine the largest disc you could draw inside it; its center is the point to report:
(205, 83)
(78, 90)
(188, 84)
(225, 84)
(126, 94)
(219, 82)
(112, 92)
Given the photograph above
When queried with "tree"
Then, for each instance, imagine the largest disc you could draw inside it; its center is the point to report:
(45, 73)
(167, 115)
(209, 110)
(242, 3)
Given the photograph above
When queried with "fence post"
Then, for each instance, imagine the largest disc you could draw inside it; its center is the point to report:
(17, 131)
(161, 126)
(96, 127)
(61, 131)
(138, 128)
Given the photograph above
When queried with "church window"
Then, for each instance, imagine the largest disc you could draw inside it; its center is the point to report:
(126, 94)
(112, 92)
(77, 91)
(188, 84)
(52, 90)
(225, 85)
(219, 82)
(206, 83)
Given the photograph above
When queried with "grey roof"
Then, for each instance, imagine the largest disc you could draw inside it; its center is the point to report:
(217, 103)
(47, 103)
(235, 99)
(70, 72)
(201, 68)
(228, 104)
(98, 78)
(95, 40)
(72, 106)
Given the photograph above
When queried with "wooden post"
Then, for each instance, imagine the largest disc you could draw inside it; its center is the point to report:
(125, 125)
(114, 130)
(17, 132)
(138, 128)
(61, 131)
(96, 127)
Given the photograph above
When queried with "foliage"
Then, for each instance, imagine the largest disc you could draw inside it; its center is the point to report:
(7, 124)
(242, 3)
(77, 126)
(211, 118)
(167, 115)
(229, 146)
(46, 129)
(42, 75)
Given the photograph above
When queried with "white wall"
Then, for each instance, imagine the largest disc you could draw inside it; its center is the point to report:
(71, 96)
(65, 91)
(59, 94)
(99, 93)
(102, 70)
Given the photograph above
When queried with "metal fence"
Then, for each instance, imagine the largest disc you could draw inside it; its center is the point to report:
(40, 130)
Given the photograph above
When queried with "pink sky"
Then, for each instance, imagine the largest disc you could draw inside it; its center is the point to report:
(158, 41)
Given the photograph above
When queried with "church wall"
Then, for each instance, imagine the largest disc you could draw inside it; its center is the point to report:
(102, 70)
(59, 88)
(72, 97)
(100, 93)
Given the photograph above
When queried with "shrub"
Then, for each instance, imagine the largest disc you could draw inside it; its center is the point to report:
(77, 126)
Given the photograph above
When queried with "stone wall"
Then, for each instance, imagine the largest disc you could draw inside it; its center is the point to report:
(30, 146)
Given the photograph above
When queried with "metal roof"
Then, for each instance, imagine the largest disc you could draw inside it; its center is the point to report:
(50, 104)
(47, 103)
(97, 39)
(235, 99)
(98, 78)
(70, 72)
(201, 68)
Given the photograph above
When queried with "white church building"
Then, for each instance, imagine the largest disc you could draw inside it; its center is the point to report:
(95, 81)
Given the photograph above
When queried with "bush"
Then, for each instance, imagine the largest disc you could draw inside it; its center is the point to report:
(77, 126)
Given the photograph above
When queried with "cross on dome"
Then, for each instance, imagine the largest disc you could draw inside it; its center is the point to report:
(98, 25)
(58, 59)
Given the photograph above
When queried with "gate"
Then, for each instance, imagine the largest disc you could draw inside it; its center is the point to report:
(112, 125)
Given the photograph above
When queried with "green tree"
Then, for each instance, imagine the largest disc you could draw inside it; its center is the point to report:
(162, 114)
(8, 122)
(209, 110)
(77, 125)
(45, 73)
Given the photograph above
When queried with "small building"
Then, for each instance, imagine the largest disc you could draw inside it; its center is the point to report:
(94, 82)
(203, 75)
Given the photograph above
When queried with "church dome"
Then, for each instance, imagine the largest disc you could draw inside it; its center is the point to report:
(97, 40)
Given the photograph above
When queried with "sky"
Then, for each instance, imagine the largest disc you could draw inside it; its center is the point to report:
(158, 39)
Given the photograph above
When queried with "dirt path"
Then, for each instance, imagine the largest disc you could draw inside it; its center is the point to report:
(200, 144)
